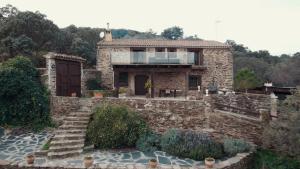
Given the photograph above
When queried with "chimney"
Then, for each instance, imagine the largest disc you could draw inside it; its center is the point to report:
(108, 35)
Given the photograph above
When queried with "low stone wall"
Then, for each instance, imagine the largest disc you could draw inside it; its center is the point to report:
(242, 103)
(61, 106)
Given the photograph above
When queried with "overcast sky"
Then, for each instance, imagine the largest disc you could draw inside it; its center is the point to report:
(273, 25)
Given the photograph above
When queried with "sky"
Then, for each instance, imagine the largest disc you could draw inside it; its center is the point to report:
(272, 25)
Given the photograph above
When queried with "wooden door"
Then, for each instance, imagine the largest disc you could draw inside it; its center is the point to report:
(68, 78)
(139, 86)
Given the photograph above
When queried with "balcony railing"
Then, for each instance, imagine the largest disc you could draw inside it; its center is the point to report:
(179, 58)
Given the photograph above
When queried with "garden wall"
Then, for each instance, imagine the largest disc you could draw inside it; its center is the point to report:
(242, 103)
(163, 114)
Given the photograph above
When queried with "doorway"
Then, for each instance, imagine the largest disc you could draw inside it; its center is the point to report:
(139, 85)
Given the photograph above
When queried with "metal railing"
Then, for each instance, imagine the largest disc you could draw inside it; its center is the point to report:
(179, 58)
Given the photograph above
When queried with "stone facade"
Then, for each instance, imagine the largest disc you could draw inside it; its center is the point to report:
(217, 69)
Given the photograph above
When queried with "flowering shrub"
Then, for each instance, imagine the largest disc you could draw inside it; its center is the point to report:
(115, 126)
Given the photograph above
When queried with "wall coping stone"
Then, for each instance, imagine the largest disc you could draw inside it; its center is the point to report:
(52, 55)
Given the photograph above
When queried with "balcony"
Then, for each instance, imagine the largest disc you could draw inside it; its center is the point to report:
(152, 58)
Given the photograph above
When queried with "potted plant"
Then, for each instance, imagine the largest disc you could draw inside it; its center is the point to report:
(30, 159)
(122, 91)
(97, 94)
(209, 162)
(148, 86)
(88, 161)
(152, 163)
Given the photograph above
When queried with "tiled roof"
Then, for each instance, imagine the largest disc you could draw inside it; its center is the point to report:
(163, 43)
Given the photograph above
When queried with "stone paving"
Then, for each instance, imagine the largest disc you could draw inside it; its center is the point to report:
(14, 147)
(104, 159)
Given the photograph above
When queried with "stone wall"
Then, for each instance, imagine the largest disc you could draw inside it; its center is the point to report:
(61, 106)
(219, 64)
(163, 114)
(242, 103)
(176, 80)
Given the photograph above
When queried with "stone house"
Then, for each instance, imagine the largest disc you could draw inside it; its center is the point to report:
(172, 67)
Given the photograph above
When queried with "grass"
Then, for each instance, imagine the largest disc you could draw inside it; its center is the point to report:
(46, 145)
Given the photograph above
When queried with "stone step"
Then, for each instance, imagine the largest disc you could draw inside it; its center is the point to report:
(66, 148)
(72, 127)
(80, 114)
(72, 118)
(66, 142)
(68, 137)
(76, 122)
(74, 131)
(64, 154)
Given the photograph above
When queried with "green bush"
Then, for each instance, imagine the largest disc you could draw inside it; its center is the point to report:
(234, 146)
(267, 159)
(93, 84)
(24, 101)
(115, 126)
(148, 142)
(210, 149)
(190, 144)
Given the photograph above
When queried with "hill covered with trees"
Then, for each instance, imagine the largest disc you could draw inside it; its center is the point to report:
(32, 35)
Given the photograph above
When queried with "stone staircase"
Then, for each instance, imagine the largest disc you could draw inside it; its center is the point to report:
(68, 140)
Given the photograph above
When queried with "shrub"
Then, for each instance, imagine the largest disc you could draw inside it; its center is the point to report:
(93, 84)
(283, 133)
(210, 149)
(148, 142)
(271, 160)
(234, 146)
(24, 101)
(115, 126)
(190, 144)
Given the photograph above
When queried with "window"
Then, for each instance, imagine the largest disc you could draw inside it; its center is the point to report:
(194, 82)
(123, 79)
(138, 55)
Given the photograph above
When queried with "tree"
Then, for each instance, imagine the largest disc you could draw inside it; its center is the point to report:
(283, 134)
(173, 33)
(245, 79)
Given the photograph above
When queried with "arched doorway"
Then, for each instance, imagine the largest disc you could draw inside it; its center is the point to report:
(139, 84)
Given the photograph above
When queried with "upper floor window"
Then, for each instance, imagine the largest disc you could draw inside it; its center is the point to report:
(138, 55)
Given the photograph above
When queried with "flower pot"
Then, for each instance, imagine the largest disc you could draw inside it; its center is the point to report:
(152, 163)
(30, 159)
(98, 94)
(88, 162)
(209, 162)
(73, 94)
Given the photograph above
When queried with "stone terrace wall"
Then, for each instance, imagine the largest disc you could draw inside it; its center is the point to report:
(192, 114)
(163, 114)
(242, 103)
